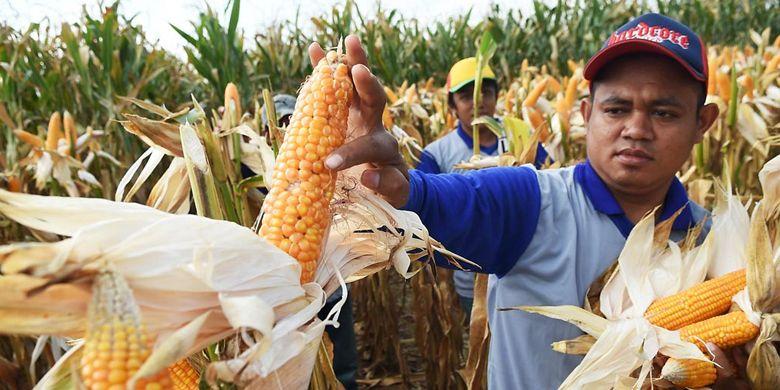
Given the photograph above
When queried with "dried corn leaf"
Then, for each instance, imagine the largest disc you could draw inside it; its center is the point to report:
(578, 346)
(172, 192)
(769, 176)
(160, 135)
(763, 365)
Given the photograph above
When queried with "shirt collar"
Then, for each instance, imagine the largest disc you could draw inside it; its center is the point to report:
(470, 143)
(603, 200)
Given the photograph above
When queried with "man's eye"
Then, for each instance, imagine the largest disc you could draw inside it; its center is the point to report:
(664, 114)
(614, 110)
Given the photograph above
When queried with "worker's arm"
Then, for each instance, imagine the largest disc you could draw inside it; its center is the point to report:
(488, 216)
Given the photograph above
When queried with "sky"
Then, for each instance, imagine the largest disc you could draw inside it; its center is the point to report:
(155, 15)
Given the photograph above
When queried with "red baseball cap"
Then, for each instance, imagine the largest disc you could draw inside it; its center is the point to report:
(653, 33)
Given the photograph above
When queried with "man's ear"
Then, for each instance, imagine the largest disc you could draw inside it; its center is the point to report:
(585, 109)
(707, 116)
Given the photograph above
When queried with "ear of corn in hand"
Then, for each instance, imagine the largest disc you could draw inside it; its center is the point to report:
(297, 207)
(700, 302)
(725, 331)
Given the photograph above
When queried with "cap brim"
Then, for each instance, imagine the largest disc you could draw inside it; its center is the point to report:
(464, 83)
(634, 46)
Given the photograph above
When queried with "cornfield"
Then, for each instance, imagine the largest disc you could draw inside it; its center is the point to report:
(95, 111)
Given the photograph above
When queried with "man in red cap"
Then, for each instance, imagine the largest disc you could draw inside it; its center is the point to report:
(545, 236)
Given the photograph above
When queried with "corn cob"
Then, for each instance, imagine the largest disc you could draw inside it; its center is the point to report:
(115, 343)
(71, 134)
(689, 372)
(296, 209)
(391, 96)
(554, 85)
(54, 133)
(772, 65)
(184, 376)
(748, 85)
(534, 95)
(231, 95)
(725, 331)
(724, 86)
(571, 92)
(697, 303)
(509, 100)
(29, 138)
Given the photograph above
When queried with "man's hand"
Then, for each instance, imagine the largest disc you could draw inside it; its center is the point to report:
(368, 143)
(730, 367)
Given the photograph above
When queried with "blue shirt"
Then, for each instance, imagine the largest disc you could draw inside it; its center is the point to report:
(441, 156)
(544, 236)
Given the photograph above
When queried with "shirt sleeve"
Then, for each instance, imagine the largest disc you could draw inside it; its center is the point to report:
(487, 216)
(541, 156)
(428, 163)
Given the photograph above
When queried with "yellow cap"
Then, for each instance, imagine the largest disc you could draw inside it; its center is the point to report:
(463, 72)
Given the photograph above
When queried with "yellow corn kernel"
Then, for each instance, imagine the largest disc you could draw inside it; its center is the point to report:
(725, 331)
(689, 373)
(697, 303)
(29, 138)
(184, 376)
(115, 343)
(54, 133)
(297, 207)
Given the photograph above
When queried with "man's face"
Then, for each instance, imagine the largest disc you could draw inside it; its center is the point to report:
(642, 122)
(464, 103)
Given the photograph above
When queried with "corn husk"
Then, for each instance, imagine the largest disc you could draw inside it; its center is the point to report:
(625, 340)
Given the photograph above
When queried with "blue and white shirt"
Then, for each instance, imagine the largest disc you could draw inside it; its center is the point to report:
(441, 156)
(544, 236)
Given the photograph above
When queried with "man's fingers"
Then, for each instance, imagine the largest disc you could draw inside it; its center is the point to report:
(388, 182)
(377, 148)
(369, 89)
(722, 363)
(315, 53)
(355, 53)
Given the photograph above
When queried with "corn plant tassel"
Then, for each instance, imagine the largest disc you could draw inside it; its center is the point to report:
(296, 209)
(116, 344)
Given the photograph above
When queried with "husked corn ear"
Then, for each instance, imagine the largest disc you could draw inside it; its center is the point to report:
(297, 207)
(697, 303)
(29, 138)
(54, 133)
(689, 372)
(231, 95)
(534, 95)
(725, 331)
(71, 134)
(116, 344)
(184, 376)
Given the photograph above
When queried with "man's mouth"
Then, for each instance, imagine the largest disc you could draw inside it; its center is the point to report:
(634, 156)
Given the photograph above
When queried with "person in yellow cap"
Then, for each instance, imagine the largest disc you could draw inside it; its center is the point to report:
(443, 154)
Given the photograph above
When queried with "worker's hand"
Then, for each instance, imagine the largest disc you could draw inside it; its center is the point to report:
(368, 143)
(730, 366)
